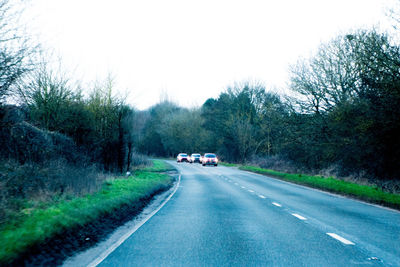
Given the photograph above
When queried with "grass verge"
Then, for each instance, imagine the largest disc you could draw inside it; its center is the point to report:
(228, 164)
(371, 194)
(35, 226)
(367, 193)
(159, 166)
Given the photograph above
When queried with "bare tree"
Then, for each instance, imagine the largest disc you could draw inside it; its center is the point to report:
(330, 77)
(15, 50)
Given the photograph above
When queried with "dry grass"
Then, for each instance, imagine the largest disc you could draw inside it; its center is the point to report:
(30, 232)
(280, 164)
(277, 163)
(368, 193)
(25, 186)
(139, 161)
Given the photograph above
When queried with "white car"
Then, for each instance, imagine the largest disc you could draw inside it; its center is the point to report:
(209, 159)
(182, 157)
(195, 158)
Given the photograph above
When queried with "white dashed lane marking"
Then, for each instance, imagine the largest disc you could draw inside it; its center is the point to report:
(299, 216)
(333, 235)
(341, 239)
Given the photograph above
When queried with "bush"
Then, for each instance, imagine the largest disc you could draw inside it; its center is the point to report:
(139, 160)
(275, 162)
(24, 185)
(280, 164)
(65, 147)
(30, 144)
(26, 143)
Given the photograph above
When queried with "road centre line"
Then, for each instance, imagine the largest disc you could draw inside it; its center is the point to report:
(251, 191)
(276, 204)
(261, 196)
(299, 216)
(341, 239)
(236, 184)
(243, 187)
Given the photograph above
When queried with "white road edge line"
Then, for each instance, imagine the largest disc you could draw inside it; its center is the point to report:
(324, 192)
(299, 216)
(341, 239)
(261, 196)
(276, 204)
(105, 254)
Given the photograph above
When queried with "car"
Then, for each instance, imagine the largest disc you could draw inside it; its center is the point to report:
(195, 157)
(182, 157)
(209, 159)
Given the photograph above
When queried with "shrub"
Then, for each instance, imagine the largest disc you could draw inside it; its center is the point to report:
(275, 162)
(139, 160)
(22, 186)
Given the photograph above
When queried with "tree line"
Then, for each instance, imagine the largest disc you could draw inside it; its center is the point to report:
(99, 124)
(342, 111)
(55, 118)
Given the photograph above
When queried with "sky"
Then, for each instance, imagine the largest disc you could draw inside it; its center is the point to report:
(188, 51)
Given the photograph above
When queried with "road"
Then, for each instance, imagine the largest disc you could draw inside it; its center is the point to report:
(222, 216)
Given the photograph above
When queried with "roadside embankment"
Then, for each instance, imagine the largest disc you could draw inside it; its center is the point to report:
(367, 193)
(46, 236)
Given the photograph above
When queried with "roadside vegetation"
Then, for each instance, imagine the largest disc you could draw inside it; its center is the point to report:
(61, 140)
(360, 189)
(341, 117)
(39, 222)
(369, 193)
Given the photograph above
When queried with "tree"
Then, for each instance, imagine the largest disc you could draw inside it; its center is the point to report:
(350, 93)
(182, 131)
(328, 78)
(15, 53)
(379, 68)
(242, 120)
(273, 125)
(48, 97)
(152, 141)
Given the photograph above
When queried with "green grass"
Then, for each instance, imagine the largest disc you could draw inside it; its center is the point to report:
(159, 166)
(368, 193)
(36, 225)
(228, 164)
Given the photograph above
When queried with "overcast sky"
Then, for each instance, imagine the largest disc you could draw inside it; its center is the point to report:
(192, 50)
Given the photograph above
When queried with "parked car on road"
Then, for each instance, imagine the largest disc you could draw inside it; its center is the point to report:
(209, 159)
(195, 158)
(182, 157)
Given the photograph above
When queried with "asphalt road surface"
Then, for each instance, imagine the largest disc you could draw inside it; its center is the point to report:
(222, 216)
